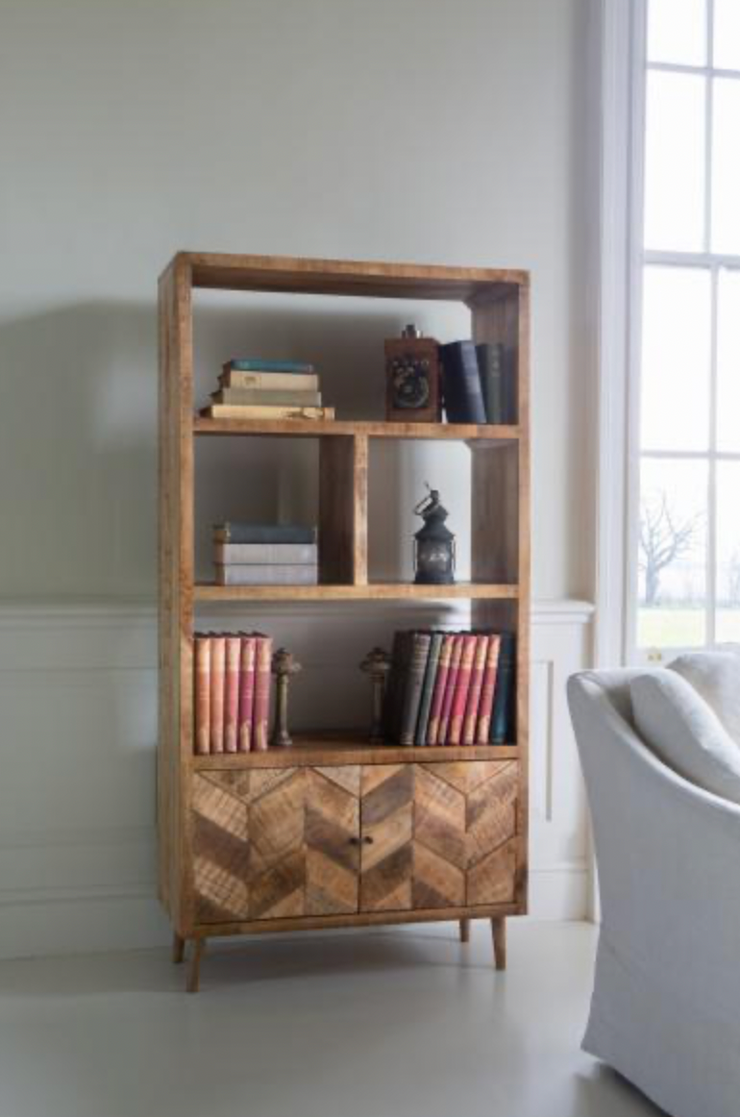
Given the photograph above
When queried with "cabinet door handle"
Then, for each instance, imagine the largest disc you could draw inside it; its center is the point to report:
(354, 841)
(368, 840)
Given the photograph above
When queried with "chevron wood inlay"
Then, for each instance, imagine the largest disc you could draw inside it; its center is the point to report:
(292, 842)
(276, 843)
(220, 848)
(331, 833)
(387, 814)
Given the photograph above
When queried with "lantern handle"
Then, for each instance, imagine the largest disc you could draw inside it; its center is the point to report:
(427, 502)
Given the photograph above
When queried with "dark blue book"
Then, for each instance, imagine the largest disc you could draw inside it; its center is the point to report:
(232, 532)
(461, 386)
(504, 704)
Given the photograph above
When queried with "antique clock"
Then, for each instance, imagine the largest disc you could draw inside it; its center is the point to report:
(413, 378)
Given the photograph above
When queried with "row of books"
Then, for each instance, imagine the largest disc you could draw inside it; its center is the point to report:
(265, 555)
(451, 688)
(479, 384)
(232, 692)
(256, 388)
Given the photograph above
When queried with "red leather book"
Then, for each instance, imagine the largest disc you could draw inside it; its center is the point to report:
(202, 695)
(246, 694)
(470, 721)
(218, 679)
(440, 682)
(231, 693)
(462, 688)
(444, 717)
(263, 661)
(483, 729)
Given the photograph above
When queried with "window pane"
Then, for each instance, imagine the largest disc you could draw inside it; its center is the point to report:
(677, 31)
(672, 556)
(728, 361)
(726, 166)
(728, 552)
(674, 162)
(674, 405)
(727, 34)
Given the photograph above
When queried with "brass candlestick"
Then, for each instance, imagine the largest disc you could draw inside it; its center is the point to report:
(283, 666)
(377, 664)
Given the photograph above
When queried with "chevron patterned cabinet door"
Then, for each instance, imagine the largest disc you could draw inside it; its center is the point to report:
(332, 840)
(387, 821)
(220, 846)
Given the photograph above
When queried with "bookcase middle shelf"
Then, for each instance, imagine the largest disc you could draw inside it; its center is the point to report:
(389, 591)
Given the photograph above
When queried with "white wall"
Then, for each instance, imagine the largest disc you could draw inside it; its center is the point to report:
(398, 129)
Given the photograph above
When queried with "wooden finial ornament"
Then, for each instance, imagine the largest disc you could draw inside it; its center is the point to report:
(283, 666)
(377, 664)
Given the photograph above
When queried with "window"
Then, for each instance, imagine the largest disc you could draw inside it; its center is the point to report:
(685, 491)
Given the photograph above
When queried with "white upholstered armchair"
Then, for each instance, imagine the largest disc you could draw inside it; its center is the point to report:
(666, 1004)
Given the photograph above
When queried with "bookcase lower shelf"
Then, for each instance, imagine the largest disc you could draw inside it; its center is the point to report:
(352, 842)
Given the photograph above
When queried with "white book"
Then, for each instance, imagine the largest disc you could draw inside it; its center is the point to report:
(275, 574)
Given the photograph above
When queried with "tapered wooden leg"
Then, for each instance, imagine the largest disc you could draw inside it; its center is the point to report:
(498, 928)
(178, 949)
(194, 969)
(464, 930)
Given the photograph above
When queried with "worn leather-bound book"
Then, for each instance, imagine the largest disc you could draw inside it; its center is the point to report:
(462, 687)
(415, 671)
(470, 721)
(488, 687)
(263, 662)
(218, 680)
(246, 693)
(202, 695)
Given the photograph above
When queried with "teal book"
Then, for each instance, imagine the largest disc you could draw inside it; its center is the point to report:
(504, 705)
(428, 689)
(259, 364)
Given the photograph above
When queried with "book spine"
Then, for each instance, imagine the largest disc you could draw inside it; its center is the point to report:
(483, 728)
(440, 684)
(463, 397)
(246, 554)
(269, 381)
(428, 691)
(491, 380)
(474, 694)
(462, 688)
(218, 678)
(502, 721)
(444, 718)
(267, 396)
(202, 695)
(231, 693)
(246, 693)
(261, 716)
(264, 533)
(260, 364)
(249, 411)
(420, 642)
(242, 574)
(392, 686)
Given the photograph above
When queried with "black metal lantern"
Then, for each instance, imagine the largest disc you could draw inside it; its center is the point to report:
(434, 544)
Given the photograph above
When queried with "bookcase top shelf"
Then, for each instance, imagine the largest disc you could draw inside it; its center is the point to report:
(397, 591)
(368, 278)
(320, 428)
(333, 748)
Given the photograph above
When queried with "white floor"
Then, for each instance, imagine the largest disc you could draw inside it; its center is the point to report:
(399, 1022)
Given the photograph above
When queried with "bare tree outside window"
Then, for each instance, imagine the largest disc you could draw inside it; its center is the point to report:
(664, 540)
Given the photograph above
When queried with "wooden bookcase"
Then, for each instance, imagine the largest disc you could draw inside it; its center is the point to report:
(334, 832)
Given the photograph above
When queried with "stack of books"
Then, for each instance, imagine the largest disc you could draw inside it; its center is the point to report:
(450, 688)
(265, 555)
(232, 692)
(478, 385)
(260, 389)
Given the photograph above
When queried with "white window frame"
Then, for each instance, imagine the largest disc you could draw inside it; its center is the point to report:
(624, 71)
